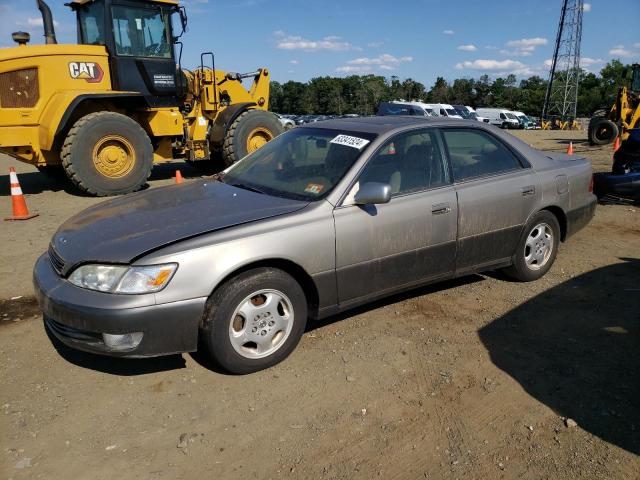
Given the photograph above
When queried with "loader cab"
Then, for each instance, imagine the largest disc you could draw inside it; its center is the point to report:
(635, 78)
(139, 37)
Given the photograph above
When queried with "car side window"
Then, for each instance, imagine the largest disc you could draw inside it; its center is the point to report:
(503, 116)
(409, 162)
(474, 153)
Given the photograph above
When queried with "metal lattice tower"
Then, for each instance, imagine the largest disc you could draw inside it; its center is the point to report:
(561, 98)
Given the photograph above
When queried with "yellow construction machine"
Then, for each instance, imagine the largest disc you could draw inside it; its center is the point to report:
(606, 125)
(106, 109)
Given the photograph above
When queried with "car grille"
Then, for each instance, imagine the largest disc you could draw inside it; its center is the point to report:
(56, 261)
(19, 89)
(72, 332)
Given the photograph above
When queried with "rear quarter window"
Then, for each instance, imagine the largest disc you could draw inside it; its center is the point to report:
(474, 154)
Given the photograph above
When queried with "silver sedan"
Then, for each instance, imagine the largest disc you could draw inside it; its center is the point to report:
(318, 221)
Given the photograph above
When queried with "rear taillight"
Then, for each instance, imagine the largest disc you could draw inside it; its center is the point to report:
(591, 184)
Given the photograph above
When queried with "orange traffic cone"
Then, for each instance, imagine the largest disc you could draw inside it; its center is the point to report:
(20, 210)
(570, 149)
(179, 178)
(616, 145)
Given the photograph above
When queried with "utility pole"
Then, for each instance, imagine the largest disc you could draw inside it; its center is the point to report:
(561, 97)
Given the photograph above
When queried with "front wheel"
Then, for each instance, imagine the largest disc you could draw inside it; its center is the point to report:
(602, 131)
(254, 320)
(537, 248)
(106, 153)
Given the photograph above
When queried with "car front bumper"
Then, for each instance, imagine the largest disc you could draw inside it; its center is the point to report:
(79, 317)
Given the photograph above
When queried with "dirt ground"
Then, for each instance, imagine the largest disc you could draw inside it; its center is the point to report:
(477, 378)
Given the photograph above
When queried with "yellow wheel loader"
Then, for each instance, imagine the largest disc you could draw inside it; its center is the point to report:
(106, 109)
(622, 117)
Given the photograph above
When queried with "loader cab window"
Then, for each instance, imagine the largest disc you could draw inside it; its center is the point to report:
(141, 32)
(91, 21)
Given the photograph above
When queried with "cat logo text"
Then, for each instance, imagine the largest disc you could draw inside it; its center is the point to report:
(89, 71)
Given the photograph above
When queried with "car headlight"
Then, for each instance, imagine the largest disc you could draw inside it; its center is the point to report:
(119, 279)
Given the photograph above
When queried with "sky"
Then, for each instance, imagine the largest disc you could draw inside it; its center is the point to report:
(420, 39)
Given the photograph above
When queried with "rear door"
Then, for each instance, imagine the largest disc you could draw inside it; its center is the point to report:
(496, 192)
(381, 248)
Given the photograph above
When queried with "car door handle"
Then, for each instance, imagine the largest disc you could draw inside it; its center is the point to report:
(440, 208)
(530, 190)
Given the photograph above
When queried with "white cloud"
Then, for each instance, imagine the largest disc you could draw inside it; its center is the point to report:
(448, 32)
(354, 69)
(330, 43)
(34, 22)
(294, 62)
(586, 7)
(620, 51)
(527, 42)
(587, 61)
(467, 48)
(375, 44)
(523, 47)
(548, 62)
(491, 65)
(636, 45)
(500, 67)
(384, 59)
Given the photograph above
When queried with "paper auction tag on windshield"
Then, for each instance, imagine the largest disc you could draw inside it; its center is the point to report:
(349, 141)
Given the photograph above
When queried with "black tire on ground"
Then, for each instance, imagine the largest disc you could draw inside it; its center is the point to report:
(222, 304)
(519, 270)
(235, 146)
(103, 130)
(602, 131)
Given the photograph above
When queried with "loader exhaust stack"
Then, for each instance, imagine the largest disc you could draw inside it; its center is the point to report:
(47, 21)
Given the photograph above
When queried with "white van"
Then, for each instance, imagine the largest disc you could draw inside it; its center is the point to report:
(499, 116)
(445, 110)
(398, 107)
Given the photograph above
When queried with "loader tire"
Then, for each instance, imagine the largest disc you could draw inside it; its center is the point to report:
(251, 130)
(106, 153)
(602, 131)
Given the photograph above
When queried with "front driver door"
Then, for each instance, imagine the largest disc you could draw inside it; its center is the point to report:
(382, 248)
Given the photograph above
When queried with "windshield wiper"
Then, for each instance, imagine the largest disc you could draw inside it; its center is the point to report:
(247, 187)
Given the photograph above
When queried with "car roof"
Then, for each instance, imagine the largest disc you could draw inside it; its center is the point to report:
(383, 124)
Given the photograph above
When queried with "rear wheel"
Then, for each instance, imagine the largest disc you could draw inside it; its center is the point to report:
(107, 153)
(255, 320)
(602, 131)
(250, 131)
(537, 248)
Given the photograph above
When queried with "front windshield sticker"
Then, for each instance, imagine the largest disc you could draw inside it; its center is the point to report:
(350, 141)
(314, 188)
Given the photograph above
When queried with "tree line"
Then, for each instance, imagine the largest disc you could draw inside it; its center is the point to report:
(361, 94)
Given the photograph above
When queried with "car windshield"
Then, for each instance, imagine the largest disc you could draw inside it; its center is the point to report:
(462, 112)
(473, 115)
(512, 116)
(451, 111)
(302, 164)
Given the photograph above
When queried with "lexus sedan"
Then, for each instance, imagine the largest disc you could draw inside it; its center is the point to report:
(319, 220)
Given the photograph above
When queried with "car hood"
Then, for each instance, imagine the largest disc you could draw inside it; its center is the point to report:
(119, 230)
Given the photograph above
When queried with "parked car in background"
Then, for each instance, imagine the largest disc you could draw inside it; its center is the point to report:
(500, 117)
(287, 123)
(319, 220)
(468, 113)
(524, 120)
(405, 108)
(446, 110)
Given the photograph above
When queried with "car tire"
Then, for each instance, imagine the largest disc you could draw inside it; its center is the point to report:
(241, 333)
(537, 248)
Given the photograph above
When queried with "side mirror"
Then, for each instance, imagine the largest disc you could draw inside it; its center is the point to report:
(373, 193)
